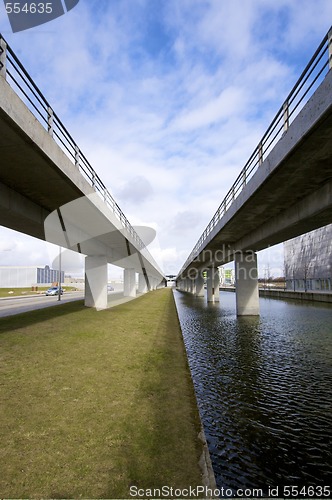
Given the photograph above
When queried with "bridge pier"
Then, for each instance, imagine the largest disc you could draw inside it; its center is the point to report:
(212, 284)
(129, 282)
(192, 288)
(188, 283)
(199, 282)
(246, 276)
(142, 284)
(96, 281)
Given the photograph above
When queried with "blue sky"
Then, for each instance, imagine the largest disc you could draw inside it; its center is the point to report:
(167, 99)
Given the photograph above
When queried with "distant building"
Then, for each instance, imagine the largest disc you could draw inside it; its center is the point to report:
(308, 261)
(227, 276)
(26, 276)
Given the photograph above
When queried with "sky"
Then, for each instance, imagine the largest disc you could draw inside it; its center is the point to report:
(167, 99)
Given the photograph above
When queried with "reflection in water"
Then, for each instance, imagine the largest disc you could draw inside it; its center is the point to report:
(264, 389)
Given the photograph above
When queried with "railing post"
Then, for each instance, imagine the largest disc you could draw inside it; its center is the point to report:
(50, 120)
(285, 109)
(244, 177)
(329, 41)
(260, 153)
(3, 58)
(77, 156)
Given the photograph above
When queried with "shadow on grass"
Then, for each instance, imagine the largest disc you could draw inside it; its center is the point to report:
(30, 318)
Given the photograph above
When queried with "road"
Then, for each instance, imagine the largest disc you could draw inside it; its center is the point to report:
(16, 305)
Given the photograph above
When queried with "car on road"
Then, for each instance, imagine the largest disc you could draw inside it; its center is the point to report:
(54, 290)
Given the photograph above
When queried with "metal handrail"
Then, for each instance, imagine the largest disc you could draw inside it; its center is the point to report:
(14, 72)
(311, 77)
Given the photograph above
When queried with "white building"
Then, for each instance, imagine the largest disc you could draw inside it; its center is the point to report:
(27, 276)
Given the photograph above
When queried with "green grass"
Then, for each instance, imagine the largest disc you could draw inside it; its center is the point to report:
(94, 402)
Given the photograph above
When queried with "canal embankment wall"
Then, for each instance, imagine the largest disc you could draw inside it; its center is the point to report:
(290, 294)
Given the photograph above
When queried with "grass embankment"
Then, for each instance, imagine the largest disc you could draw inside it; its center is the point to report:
(95, 402)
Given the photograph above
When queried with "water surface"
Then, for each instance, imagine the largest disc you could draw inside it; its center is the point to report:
(264, 389)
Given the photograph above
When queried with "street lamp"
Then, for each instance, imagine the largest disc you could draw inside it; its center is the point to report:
(59, 280)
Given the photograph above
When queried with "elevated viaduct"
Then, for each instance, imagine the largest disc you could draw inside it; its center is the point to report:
(284, 190)
(49, 190)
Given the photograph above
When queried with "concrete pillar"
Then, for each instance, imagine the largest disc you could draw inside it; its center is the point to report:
(216, 282)
(152, 283)
(212, 284)
(129, 283)
(96, 281)
(189, 285)
(142, 285)
(247, 296)
(200, 285)
(209, 284)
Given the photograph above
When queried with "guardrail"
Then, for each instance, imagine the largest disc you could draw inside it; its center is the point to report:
(15, 74)
(310, 79)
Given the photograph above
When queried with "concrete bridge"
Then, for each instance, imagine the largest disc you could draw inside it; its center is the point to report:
(284, 190)
(49, 190)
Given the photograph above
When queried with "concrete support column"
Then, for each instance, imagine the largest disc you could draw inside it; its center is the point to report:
(200, 285)
(187, 285)
(142, 285)
(209, 284)
(129, 282)
(216, 283)
(152, 283)
(96, 281)
(247, 296)
(191, 285)
(212, 284)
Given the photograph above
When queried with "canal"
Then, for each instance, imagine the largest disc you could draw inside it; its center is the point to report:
(264, 391)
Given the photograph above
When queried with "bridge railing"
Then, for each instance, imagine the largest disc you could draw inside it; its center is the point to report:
(19, 79)
(310, 79)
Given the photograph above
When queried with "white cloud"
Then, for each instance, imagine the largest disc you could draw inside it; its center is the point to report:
(228, 103)
(8, 245)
